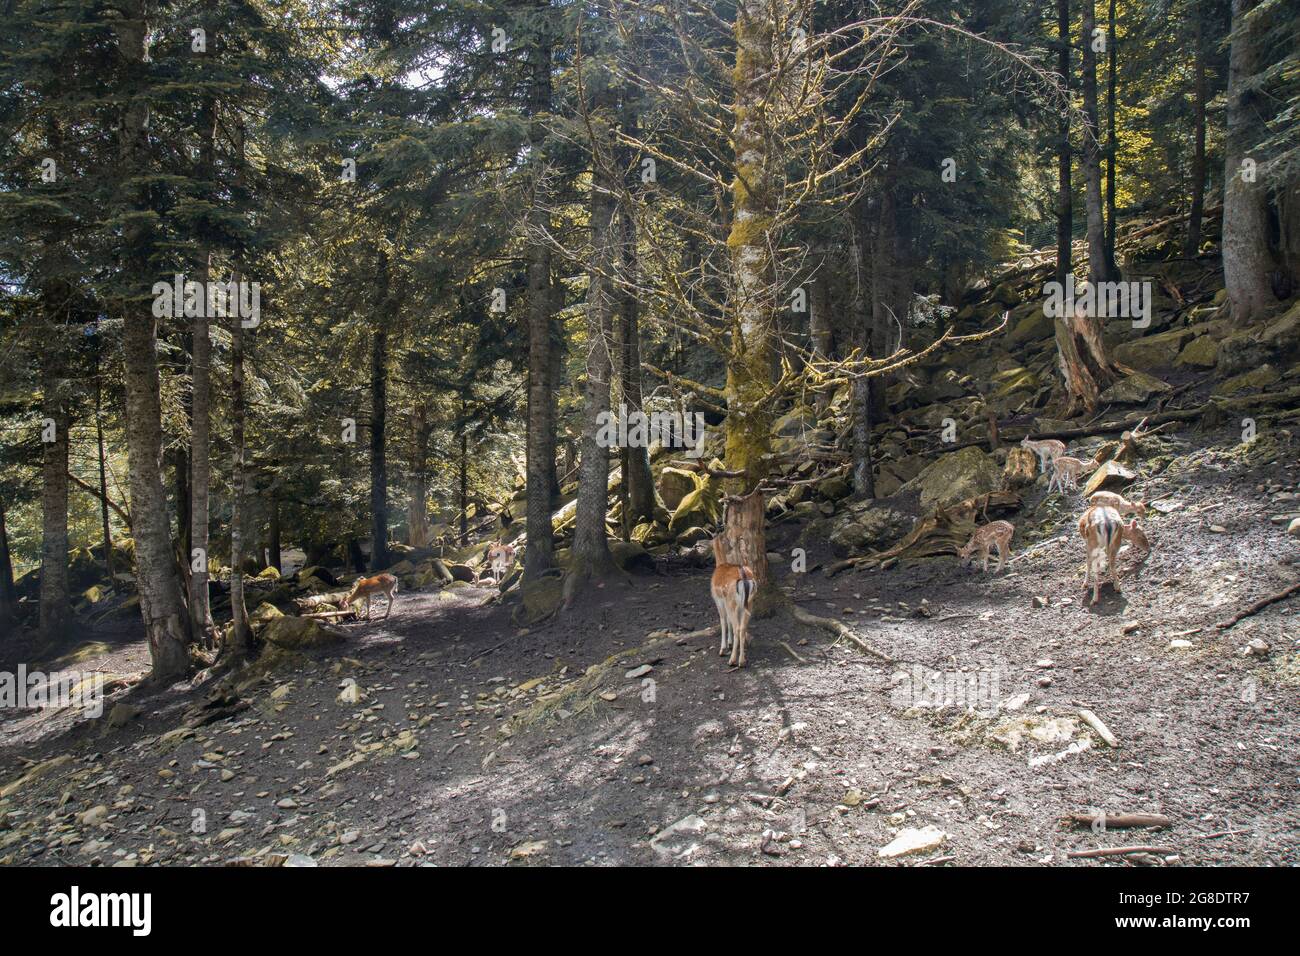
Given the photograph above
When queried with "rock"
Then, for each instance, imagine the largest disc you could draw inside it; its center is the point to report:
(675, 484)
(269, 573)
(1032, 326)
(94, 816)
(1201, 352)
(539, 599)
(692, 535)
(678, 839)
(1111, 476)
(296, 632)
(956, 476)
(834, 488)
(1294, 528)
(631, 556)
(264, 614)
(1261, 377)
(1038, 601)
(299, 859)
(699, 508)
(1005, 294)
(33, 774)
(870, 529)
(798, 420)
(1241, 353)
(122, 714)
(1179, 644)
(1134, 389)
(1153, 351)
(350, 694)
(1256, 647)
(912, 840)
(1283, 333)
(1014, 380)
(321, 574)
(640, 671)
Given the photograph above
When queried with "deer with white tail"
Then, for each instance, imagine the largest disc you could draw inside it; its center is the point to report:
(733, 592)
(1104, 532)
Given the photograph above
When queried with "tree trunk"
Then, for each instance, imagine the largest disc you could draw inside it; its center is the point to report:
(744, 541)
(8, 598)
(1099, 269)
(1247, 262)
(202, 626)
(1192, 246)
(638, 480)
(378, 444)
(864, 482)
(417, 509)
(103, 474)
(1064, 191)
(540, 453)
(591, 555)
(56, 609)
(240, 645)
(1112, 136)
(156, 573)
(273, 544)
(464, 469)
(751, 241)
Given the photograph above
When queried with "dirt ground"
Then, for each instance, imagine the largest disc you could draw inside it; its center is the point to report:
(613, 736)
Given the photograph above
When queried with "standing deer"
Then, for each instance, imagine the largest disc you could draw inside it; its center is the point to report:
(1066, 471)
(1103, 533)
(733, 592)
(1046, 450)
(501, 558)
(367, 588)
(995, 532)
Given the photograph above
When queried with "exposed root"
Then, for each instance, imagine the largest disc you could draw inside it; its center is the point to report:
(838, 628)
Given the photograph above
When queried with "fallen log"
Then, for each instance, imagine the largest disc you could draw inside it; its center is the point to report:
(1259, 606)
(1119, 820)
(1122, 851)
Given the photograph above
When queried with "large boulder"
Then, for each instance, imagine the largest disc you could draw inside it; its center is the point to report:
(701, 507)
(631, 556)
(1242, 352)
(539, 599)
(1261, 377)
(1153, 351)
(1134, 389)
(675, 484)
(299, 632)
(866, 529)
(1201, 352)
(1111, 476)
(1031, 325)
(956, 476)
(1283, 333)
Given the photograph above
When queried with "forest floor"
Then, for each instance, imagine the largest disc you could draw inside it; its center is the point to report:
(473, 743)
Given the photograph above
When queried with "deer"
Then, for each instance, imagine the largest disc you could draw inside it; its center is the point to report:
(367, 588)
(1046, 450)
(733, 588)
(1103, 533)
(995, 532)
(1119, 503)
(1066, 471)
(500, 558)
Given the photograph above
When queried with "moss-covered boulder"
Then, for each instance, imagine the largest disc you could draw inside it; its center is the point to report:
(1242, 352)
(1201, 352)
(299, 632)
(539, 599)
(1153, 351)
(631, 556)
(702, 507)
(834, 488)
(323, 574)
(1029, 324)
(1134, 389)
(691, 535)
(675, 484)
(1261, 377)
(956, 476)
(264, 614)
(868, 529)
(269, 573)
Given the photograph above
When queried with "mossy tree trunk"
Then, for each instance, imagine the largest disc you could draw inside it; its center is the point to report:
(165, 618)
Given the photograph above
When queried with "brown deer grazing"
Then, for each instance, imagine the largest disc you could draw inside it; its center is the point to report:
(500, 558)
(1119, 503)
(367, 588)
(1046, 450)
(733, 592)
(995, 532)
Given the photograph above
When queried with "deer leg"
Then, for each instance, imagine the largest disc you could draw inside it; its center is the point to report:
(722, 626)
(1002, 556)
(389, 609)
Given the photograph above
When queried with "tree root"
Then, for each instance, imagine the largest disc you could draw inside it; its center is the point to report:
(1259, 606)
(838, 628)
